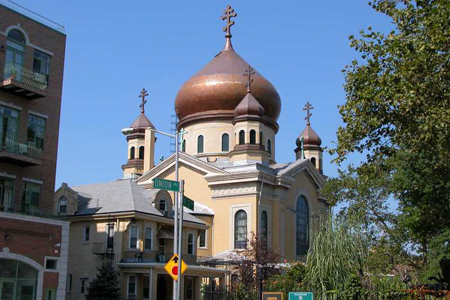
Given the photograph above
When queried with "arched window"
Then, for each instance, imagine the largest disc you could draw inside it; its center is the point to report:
(241, 137)
(15, 48)
(132, 153)
(183, 146)
(264, 225)
(20, 280)
(225, 142)
(240, 230)
(302, 227)
(252, 137)
(200, 144)
(313, 161)
(141, 152)
(62, 205)
(261, 140)
(269, 146)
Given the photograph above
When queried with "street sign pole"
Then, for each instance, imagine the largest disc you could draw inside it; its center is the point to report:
(175, 234)
(180, 242)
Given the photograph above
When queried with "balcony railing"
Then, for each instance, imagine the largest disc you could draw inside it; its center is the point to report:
(29, 77)
(103, 249)
(29, 210)
(155, 257)
(12, 146)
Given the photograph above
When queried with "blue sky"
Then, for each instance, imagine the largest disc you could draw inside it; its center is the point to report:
(115, 48)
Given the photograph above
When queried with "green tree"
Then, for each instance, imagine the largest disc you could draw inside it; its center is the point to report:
(397, 111)
(106, 285)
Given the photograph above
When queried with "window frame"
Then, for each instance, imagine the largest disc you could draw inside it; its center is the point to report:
(146, 239)
(28, 187)
(200, 144)
(190, 244)
(225, 147)
(236, 227)
(199, 239)
(42, 62)
(132, 153)
(253, 137)
(51, 259)
(86, 237)
(39, 129)
(61, 199)
(241, 136)
(130, 237)
(301, 199)
(135, 286)
(141, 151)
(83, 285)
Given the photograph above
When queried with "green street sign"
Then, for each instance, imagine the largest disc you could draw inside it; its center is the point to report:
(301, 296)
(189, 203)
(164, 184)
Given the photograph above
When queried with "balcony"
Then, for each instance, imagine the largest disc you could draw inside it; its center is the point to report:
(6, 197)
(28, 210)
(24, 82)
(155, 257)
(19, 154)
(103, 250)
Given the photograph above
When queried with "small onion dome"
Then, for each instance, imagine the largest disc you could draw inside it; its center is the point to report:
(310, 138)
(216, 90)
(142, 122)
(249, 106)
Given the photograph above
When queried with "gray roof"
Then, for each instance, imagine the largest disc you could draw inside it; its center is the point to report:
(122, 195)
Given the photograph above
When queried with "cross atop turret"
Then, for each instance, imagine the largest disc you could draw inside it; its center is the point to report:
(308, 107)
(228, 14)
(249, 72)
(142, 95)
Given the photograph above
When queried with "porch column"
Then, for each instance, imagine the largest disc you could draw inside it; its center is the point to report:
(154, 285)
(197, 287)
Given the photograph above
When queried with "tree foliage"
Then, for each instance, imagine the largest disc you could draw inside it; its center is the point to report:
(397, 113)
(106, 285)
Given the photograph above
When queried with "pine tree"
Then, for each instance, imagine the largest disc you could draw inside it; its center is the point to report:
(106, 286)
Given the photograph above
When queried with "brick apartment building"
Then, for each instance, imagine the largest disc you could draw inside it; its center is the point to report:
(33, 243)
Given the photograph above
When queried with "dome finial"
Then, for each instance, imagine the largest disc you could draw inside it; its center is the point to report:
(249, 72)
(308, 107)
(142, 95)
(228, 14)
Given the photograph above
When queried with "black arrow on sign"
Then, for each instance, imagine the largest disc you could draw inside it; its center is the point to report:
(175, 259)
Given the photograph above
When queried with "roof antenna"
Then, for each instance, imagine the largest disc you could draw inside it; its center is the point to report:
(97, 205)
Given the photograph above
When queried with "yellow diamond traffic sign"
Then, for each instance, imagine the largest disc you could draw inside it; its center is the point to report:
(171, 267)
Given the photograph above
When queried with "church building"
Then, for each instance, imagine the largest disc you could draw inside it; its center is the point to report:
(228, 116)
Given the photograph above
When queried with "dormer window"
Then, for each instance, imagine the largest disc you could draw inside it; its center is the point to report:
(62, 205)
(15, 49)
(163, 206)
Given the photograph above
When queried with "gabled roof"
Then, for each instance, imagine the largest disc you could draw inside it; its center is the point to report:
(184, 158)
(292, 169)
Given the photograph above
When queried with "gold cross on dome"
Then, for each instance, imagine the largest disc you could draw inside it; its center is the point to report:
(228, 14)
(308, 107)
(142, 95)
(249, 72)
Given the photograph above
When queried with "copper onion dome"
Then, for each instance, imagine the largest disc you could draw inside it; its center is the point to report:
(310, 138)
(216, 90)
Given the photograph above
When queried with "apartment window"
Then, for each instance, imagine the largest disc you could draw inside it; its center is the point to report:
(31, 195)
(9, 127)
(162, 206)
(148, 238)
(86, 234)
(51, 264)
(190, 249)
(141, 152)
(15, 49)
(41, 62)
(252, 137)
(146, 289)
(162, 246)
(132, 287)
(62, 205)
(132, 153)
(240, 230)
(69, 283)
(50, 294)
(189, 288)
(133, 240)
(36, 131)
(6, 194)
(200, 144)
(241, 137)
(202, 239)
(83, 282)
(225, 142)
(110, 236)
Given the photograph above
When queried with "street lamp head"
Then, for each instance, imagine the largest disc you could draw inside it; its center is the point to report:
(127, 131)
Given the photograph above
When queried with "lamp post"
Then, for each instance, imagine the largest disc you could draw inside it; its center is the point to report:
(178, 240)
